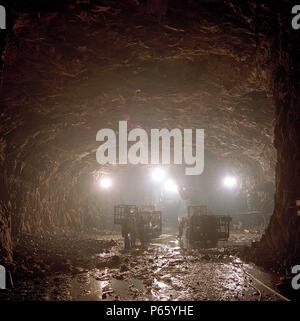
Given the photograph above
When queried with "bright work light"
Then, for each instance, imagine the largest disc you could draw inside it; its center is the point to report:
(170, 186)
(105, 182)
(230, 182)
(158, 174)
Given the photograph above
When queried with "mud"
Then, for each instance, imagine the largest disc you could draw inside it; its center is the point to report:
(96, 267)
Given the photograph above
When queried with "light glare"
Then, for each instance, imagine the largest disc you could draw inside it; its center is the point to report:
(230, 181)
(105, 182)
(170, 186)
(158, 174)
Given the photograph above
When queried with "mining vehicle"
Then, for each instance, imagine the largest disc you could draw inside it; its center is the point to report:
(204, 228)
(152, 219)
(122, 210)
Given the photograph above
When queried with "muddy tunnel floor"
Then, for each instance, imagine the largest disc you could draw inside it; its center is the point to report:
(95, 267)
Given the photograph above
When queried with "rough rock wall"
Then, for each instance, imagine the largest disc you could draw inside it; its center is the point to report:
(37, 208)
(5, 236)
(6, 208)
(280, 246)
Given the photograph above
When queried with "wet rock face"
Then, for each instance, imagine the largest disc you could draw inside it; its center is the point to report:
(279, 247)
(221, 67)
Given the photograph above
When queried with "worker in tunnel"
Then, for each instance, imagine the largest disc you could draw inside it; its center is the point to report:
(132, 230)
(126, 232)
(180, 227)
(141, 230)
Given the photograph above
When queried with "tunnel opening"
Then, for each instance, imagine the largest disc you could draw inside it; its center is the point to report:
(70, 71)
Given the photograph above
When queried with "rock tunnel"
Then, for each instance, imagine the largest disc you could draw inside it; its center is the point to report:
(71, 68)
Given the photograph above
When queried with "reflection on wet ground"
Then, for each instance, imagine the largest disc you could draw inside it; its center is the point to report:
(166, 270)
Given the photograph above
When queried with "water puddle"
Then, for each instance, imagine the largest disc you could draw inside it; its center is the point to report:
(87, 290)
(137, 284)
(120, 287)
(162, 291)
(167, 241)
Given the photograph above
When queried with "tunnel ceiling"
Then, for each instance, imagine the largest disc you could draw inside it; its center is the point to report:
(70, 72)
